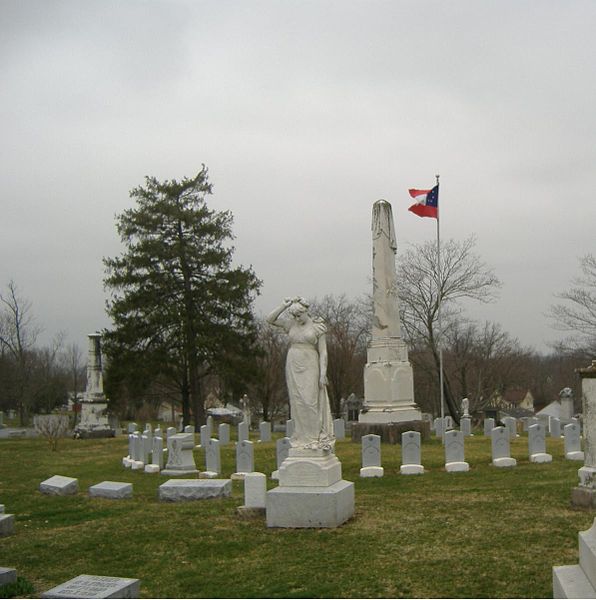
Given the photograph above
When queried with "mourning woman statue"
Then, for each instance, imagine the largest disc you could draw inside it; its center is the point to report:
(306, 375)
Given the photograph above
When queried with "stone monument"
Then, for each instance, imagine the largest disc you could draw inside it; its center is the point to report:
(311, 490)
(585, 493)
(566, 399)
(389, 408)
(94, 405)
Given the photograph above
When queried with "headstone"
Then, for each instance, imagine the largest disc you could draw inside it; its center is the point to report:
(489, 425)
(189, 429)
(339, 429)
(132, 427)
(265, 431)
(180, 457)
(537, 444)
(148, 439)
(371, 456)
(156, 456)
(454, 452)
(244, 459)
(137, 457)
(289, 428)
(158, 431)
(114, 490)
(439, 427)
(573, 449)
(131, 441)
(529, 421)
(94, 586)
(411, 463)
(209, 424)
(255, 493)
(578, 581)
(465, 425)
(224, 434)
(145, 449)
(7, 575)
(180, 490)
(554, 427)
(205, 436)
(500, 446)
(448, 422)
(511, 426)
(59, 485)
(170, 431)
(242, 432)
(212, 459)
(282, 451)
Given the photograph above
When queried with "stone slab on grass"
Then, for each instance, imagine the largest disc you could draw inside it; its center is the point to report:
(181, 490)
(7, 575)
(115, 490)
(58, 485)
(6, 525)
(94, 586)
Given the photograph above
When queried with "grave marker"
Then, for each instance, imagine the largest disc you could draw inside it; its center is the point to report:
(411, 463)
(95, 586)
(454, 452)
(537, 444)
(500, 446)
(371, 456)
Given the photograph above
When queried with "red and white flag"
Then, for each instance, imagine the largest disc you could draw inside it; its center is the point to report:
(427, 202)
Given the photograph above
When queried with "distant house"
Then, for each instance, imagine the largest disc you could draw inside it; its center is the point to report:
(515, 402)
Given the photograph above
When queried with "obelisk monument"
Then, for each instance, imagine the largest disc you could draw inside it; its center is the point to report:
(94, 420)
(388, 376)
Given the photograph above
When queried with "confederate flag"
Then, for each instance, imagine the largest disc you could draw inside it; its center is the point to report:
(427, 202)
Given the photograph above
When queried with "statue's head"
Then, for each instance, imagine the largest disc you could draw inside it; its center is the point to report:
(299, 310)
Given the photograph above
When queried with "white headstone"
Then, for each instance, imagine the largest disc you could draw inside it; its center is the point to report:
(465, 425)
(265, 431)
(282, 451)
(205, 435)
(244, 459)
(212, 458)
(439, 427)
(537, 444)
(511, 426)
(289, 428)
(170, 431)
(572, 442)
(138, 450)
(371, 456)
(255, 489)
(224, 434)
(500, 446)
(209, 424)
(243, 432)
(157, 452)
(411, 463)
(454, 452)
(180, 457)
(448, 422)
(339, 429)
(489, 425)
(554, 427)
(189, 429)
(145, 449)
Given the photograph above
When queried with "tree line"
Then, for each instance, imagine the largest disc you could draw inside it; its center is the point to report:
(184, 328)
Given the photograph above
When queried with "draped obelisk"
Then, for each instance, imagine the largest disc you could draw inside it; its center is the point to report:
(388, 376)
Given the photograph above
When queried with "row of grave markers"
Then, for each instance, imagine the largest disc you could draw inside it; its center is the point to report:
(454, 450)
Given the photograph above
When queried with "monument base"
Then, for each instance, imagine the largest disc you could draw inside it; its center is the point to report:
(457, 467)
(310, 506)
(411, 470)
(389, 415)
(390, 433)
(583, 497)
(541, 457)
(504, 462)
(179, 473)
(372, 472)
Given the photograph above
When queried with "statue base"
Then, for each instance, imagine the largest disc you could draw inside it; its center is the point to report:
(311, 492)
(390, 432)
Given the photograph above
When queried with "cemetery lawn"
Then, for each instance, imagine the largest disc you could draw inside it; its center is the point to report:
(488, 533)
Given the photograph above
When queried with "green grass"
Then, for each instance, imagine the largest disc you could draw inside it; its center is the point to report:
(486, 533)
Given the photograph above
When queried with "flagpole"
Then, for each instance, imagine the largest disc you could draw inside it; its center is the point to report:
(440, 333)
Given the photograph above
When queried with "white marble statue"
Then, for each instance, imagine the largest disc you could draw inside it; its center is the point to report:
(465, 407)
(306, 375)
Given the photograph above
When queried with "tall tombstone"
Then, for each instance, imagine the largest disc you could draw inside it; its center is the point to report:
(500, 446)
(554, 427)
(242, 431)
(138, 450)
(282, 451)
(209, 424)
(205, 435)
(439, 427)
(131, 449)
(371, 456)
(511, 426)
(339, 429)
(454, 452)
(465, 426)
(573, 449)
(157, 451)
(537, 444)
(181, 461)
(148, 439)
(411, 463)
(212, 459)
(244, 459)
(265, 431)
(489, 425)
(585, 494)
(145, 449)
(223, 433)
(289, 428)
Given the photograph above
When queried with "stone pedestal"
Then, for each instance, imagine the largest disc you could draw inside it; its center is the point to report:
(311, 492)
(578, 581)
(390, 432)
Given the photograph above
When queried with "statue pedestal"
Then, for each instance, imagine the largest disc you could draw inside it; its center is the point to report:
(94, 423)
(311, 492)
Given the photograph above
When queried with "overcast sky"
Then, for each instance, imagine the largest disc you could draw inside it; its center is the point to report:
(305, 113)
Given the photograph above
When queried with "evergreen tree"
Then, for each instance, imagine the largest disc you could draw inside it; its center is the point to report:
(179, 308)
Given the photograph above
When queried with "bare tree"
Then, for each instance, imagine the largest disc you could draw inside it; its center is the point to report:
(422, 289)
(52, 427)
(577, 312)
(73, 364)
(18, 334)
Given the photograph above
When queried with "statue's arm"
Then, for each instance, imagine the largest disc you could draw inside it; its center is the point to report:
(274, 315)
(322, 347)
